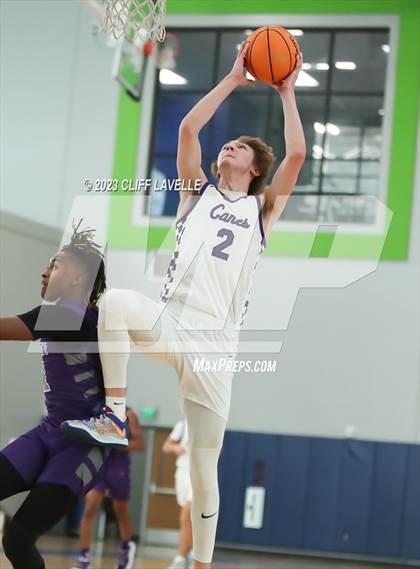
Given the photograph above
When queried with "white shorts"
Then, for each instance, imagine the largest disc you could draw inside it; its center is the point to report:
(203, 358)
(183, 487)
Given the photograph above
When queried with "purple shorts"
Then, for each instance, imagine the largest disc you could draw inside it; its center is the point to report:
(116, 476)
(45, 455)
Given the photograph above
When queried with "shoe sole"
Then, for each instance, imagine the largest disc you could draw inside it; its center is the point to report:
(83, 436)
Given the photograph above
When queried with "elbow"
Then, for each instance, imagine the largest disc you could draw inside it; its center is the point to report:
(296, 159)
(298, 156)
(188, 128)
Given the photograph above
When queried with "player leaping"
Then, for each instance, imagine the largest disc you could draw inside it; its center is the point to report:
(220, 234)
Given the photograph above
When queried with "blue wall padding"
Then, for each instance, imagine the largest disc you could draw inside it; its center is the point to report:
(353, 500)
(387, 500)
(286, 522)
(410, 535)
(321, 494)
(326, 495)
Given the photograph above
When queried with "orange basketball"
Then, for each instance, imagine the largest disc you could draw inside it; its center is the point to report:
(272, 54)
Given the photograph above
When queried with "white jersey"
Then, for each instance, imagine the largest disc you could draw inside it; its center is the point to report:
(218, 244)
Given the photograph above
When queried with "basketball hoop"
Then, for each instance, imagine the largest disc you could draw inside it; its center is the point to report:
(133, 19)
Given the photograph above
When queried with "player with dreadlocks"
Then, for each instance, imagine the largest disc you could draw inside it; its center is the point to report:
(55, 470)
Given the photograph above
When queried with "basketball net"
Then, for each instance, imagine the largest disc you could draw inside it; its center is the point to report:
(168, 52)
(142, 19)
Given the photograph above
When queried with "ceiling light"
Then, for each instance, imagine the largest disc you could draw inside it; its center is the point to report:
(306, 80)
(316, 152)
(332, 129)
(386, 48)
(296, 32)
(346, 65)
(322, 66)
(319, 128)
(168, 77)
(352, 153)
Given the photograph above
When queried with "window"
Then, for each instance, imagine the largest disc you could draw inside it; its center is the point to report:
(341, 114)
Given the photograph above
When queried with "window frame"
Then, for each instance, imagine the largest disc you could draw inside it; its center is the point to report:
(357, 242)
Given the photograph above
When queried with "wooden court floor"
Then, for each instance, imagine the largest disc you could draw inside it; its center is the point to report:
(60, 553)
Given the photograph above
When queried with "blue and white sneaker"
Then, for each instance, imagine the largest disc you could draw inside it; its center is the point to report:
(84, 560)
(126, 554)
(104, 430)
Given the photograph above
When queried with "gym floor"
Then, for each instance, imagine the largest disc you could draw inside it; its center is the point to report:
(60, 553)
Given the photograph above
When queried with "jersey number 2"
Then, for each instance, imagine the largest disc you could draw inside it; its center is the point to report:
(218, 249)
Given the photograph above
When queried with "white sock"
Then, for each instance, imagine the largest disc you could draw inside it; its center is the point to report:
(117, 404)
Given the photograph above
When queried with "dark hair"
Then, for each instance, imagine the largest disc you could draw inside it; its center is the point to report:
(85, 249)
(263, 160)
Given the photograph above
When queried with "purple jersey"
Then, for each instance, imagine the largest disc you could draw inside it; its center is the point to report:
(74, 387)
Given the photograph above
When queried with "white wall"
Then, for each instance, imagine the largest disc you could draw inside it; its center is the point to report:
(58, 107)
(25, 248)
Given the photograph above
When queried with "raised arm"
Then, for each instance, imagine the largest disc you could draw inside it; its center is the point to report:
(189, 149)
(285, 178)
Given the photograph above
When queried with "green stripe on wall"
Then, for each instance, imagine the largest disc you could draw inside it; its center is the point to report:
(124, 235)
(289, 6)
(404, 135)
(322, 243)
(120, 228)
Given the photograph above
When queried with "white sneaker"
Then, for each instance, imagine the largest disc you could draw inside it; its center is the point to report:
(126, 556)
(83, 562)
(190, 560)
(179, 563)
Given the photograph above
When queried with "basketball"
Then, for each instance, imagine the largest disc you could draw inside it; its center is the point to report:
(272, 54)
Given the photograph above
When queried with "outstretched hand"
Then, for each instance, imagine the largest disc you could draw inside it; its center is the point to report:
(238, 69)
(289, 83)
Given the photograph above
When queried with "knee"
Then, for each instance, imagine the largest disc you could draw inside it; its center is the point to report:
(203, 468)
(112, 299)
(90, 512)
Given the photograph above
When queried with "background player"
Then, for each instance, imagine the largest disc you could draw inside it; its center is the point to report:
(115, 482)
(220, 235)
(55, 470)
(177, 443)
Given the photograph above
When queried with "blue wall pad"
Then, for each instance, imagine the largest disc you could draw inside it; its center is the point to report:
(323, 494)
